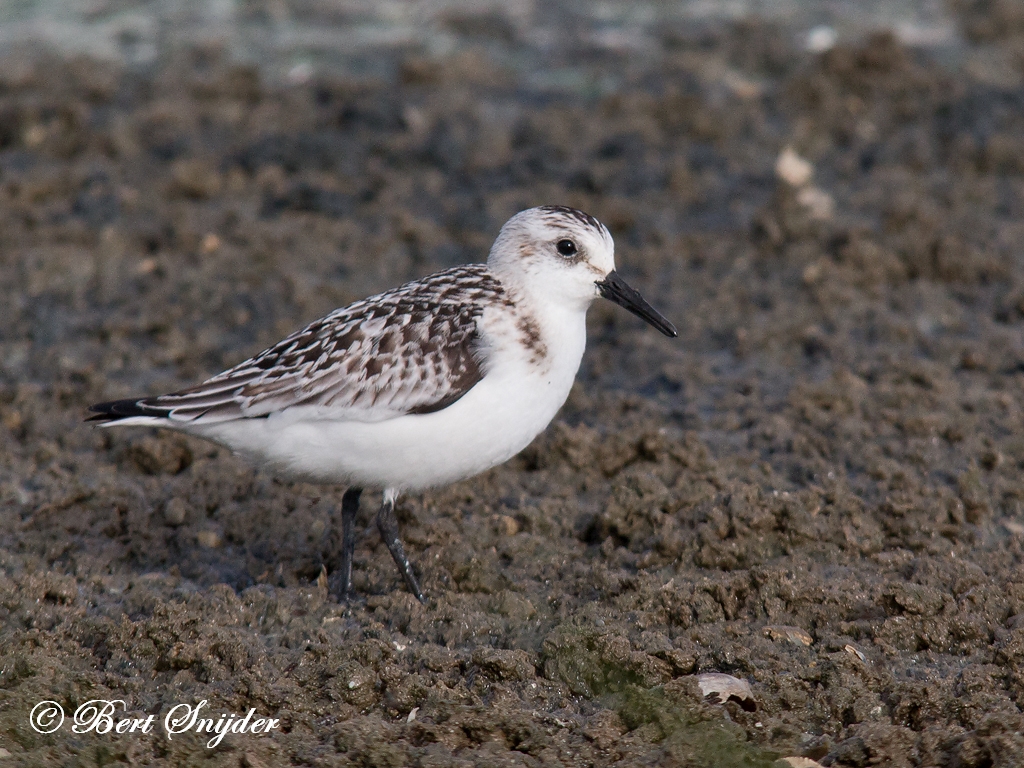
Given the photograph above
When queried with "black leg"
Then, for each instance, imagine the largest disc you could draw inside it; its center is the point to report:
(387, 524)
(349, 508)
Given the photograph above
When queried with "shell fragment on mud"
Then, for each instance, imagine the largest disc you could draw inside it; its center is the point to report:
(793, 635)
(721, 688)
(854, 651)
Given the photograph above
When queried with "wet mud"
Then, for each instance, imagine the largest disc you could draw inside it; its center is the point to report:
(816, 488)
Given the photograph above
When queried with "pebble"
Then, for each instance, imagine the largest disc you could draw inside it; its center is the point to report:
(820, 39)
(175, 511)
(208, 539)
(792, 168)
(508, 525)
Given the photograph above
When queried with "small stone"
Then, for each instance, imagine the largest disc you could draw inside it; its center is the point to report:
(820, 39)
(508, 525)
(209, 244)
(792, 168)
(175, 511)
(208, 539)
(813, 272)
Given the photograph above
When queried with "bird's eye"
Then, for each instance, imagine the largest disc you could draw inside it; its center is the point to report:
(566, 247)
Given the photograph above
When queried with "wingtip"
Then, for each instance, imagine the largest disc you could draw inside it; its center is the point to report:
(115, 410)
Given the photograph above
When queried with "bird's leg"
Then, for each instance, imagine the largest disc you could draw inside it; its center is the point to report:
(349, 508)
(387, 524)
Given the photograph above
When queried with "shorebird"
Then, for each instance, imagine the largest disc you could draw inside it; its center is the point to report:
(419, 386)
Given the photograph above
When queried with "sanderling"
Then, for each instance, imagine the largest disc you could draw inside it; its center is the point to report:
(419, 386)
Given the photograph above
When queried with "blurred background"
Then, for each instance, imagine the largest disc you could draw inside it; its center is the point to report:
(294, 39)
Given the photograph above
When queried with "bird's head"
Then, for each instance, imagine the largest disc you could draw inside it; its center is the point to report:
(566, 256)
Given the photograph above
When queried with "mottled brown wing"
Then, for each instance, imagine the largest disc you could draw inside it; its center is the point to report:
(411, 350)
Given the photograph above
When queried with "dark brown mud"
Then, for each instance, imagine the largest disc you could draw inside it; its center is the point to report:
(817, 488)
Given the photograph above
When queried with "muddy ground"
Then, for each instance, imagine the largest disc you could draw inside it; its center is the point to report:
(830, 453)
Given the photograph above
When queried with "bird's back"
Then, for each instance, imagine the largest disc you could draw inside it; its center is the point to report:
(410, 350)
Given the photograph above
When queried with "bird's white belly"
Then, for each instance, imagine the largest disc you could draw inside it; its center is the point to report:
(492, 422)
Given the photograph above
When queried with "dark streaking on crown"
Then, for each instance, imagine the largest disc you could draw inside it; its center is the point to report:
(574, 213)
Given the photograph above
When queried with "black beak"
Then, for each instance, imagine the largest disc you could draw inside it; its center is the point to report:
(614, 288)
